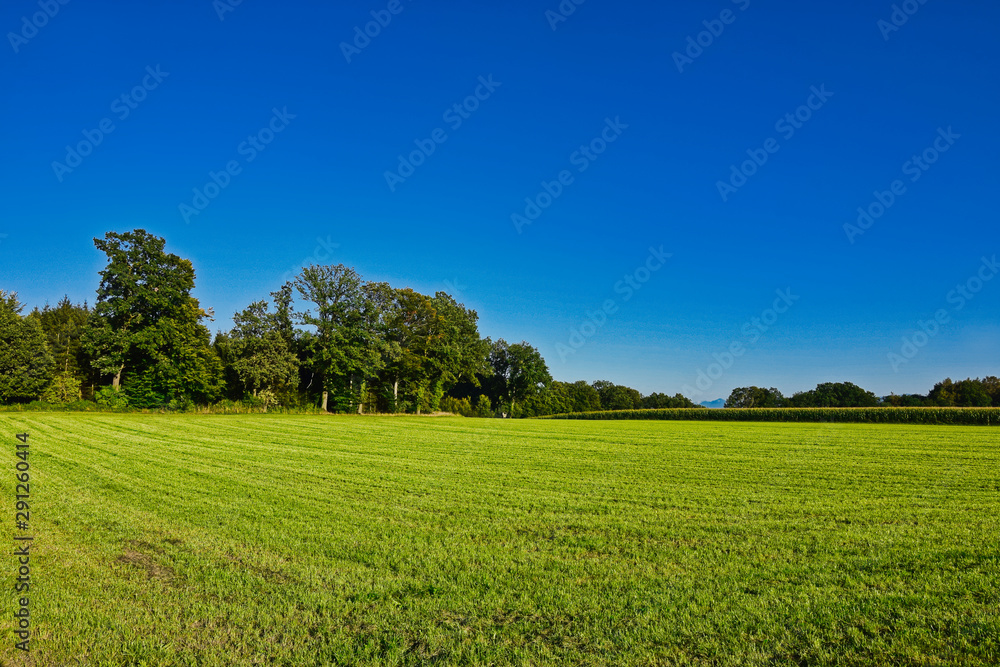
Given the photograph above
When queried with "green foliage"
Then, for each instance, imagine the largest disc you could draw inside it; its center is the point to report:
(109, 397)
(65, 388)
(518, 372)
(145, 329)
(482, 407)
(964, 416)
(968, 393)
(755, 397)
(64, 326)
(259, 352)
(905, 401)
(656, 400)
(25, 360)
(617, 397)
(457, 406)
(141, 390)
(345, 345)
(833, 395)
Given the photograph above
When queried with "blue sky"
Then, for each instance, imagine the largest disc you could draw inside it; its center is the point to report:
(640, 136)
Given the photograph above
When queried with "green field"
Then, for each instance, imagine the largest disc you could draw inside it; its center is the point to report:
(312, 540)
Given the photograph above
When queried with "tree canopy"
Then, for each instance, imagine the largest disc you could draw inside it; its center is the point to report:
(327, 338)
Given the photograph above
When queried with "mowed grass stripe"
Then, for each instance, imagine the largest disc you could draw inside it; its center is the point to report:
(345, 540)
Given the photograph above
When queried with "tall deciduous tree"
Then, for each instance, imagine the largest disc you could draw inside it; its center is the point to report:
(411, 331)
(260, 354)
(344, 348)
(755, 397)
(519, 371)
(145, 323)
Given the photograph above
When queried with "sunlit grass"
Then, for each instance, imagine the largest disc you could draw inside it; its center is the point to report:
(301, 540)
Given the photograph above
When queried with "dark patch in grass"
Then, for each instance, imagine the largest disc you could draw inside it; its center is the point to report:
(146, 562)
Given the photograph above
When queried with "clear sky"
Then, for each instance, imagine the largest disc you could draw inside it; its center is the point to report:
(622, 131)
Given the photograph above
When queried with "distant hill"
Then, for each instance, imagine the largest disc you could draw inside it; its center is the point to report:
(717, 403)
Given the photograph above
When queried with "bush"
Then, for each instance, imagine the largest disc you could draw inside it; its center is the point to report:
(458, 406)
(182, 404)
(483, 407)
(64, 389)
(109, 398)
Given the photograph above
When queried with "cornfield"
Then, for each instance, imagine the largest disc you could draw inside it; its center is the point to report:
(963, 416)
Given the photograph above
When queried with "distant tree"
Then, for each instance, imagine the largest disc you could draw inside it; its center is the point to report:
(661, 401)
(64, 326)
(966, 393)
(834, 395)
(991, 384)
(943, 393)
(557, 398)
(905, 401)
(25, 360)
(461, 354)
(260, 354)
(519, 371)
(755, 397)
(344, 348)
(411, 329)
(617, 397)
(583, 397)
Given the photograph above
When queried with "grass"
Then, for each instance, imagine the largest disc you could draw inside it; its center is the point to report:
(300, 540)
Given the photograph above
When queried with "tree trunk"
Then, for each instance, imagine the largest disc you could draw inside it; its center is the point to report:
(116, 383)
(325, 396)
(395, 396)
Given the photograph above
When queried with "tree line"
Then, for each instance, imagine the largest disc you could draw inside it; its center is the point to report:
(327, 338)
(968, 393)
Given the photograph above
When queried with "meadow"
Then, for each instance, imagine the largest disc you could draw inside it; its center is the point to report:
(322, 540)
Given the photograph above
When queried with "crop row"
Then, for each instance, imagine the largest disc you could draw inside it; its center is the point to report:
(964, 416)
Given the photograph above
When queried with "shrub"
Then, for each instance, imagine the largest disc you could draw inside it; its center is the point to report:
(109, 398)
(458, 406)
(64, 389)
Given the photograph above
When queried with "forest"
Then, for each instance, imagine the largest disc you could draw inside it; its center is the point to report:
(326, 340)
